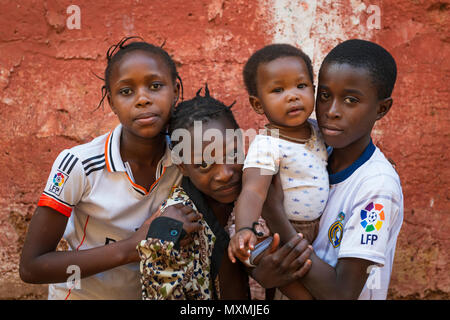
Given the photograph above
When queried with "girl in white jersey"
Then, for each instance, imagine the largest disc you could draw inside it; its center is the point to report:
(98, 194)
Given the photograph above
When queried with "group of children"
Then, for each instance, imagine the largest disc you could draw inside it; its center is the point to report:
(139, 226)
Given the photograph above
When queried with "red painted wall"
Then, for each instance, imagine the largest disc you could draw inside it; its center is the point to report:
(49, 95)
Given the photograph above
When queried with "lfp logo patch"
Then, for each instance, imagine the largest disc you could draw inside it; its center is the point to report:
(372, 217)
(59, 179)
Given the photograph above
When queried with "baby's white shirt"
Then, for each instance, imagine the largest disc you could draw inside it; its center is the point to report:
(303, 171)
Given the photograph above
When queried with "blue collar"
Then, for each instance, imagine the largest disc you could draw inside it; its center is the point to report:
(347, 172)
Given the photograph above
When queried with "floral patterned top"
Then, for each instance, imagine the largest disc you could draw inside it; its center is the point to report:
(169, 272)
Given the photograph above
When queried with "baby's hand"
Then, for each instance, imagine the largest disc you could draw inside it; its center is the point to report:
(241, 244)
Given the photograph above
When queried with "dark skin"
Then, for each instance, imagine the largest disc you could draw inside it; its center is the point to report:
(286, 98)
(347, 108)
(220, 183)
(345, 281)
(142, 95)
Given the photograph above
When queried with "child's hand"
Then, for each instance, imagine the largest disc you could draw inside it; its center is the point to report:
(141, 233)
(280, 267)
(188, 217)
(240, 245)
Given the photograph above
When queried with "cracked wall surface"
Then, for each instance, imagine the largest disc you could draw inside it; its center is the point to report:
(49, 97)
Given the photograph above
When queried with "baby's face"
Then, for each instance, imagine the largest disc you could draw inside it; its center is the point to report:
(285, 92)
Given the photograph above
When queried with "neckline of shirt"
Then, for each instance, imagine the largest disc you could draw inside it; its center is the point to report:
(114, 159)
(114, 162)
(347, 172)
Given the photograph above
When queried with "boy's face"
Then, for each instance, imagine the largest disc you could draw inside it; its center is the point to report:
(347, 105)
(285, 92)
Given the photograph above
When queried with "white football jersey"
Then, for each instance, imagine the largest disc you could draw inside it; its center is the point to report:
(92, 186)
(362, 219)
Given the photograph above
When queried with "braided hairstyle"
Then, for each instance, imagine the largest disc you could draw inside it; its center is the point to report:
(200, 108)
(117, 51)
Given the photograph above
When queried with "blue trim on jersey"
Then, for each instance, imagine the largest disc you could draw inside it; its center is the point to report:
(347, 172)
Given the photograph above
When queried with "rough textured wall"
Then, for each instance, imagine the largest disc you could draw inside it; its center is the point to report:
(49, 95)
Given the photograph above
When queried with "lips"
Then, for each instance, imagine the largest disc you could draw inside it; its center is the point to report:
(228, 188)
(330, 129)
(295, 110)
(146, 118)
(145, 115)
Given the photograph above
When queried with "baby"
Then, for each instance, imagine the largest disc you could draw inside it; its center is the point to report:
(279, 80)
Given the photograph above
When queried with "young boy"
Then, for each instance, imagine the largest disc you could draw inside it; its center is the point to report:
(355, 247)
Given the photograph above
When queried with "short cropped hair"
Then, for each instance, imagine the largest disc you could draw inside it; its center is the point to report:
(268, 54)
(368, 55)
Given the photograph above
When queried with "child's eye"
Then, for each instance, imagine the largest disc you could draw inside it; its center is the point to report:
(324, 96)
(301, 86)
(277, 90)
(155, 86)
(350, 100)
(205, 166)
(125, 91)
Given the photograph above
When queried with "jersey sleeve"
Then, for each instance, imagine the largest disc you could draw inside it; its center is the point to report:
(262, 154)
(65, 184)
(376, 207)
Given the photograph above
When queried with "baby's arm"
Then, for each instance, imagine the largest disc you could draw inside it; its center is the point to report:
(273, 213)
(247, 211)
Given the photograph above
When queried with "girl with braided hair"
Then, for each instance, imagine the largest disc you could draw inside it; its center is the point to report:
(99, 195)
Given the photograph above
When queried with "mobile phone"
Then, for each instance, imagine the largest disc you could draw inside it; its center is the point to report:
(259, 248)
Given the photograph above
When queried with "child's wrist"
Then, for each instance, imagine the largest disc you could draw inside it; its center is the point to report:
(130, 253)
(252, 229)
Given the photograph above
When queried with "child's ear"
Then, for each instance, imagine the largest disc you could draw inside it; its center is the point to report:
(383, 107)
(176, 92)
(256, 104)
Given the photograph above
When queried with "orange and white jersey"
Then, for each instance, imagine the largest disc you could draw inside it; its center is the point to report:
(92, 186)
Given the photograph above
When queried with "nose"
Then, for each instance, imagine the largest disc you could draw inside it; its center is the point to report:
(292, 95)
(333, 111)
(143, 98)
(224, 173)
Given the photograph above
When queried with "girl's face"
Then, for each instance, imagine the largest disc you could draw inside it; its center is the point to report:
(142, 93)
(221, 182)
(285, 92)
